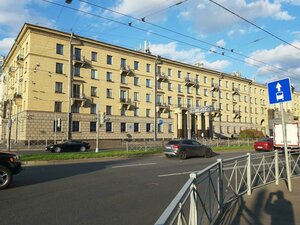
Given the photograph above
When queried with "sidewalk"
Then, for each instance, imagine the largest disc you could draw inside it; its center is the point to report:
(269, 205)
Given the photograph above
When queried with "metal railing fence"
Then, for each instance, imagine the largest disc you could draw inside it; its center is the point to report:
(207, 193)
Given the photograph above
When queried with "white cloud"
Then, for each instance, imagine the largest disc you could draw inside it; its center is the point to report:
(208, 17)
(284, 57)
(292, 2)
(5, 45)
(190, 56)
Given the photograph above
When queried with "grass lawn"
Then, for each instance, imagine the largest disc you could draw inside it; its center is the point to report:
(47, 156)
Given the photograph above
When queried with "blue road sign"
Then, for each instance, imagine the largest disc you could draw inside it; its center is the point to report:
(160, 122)
(279, 91)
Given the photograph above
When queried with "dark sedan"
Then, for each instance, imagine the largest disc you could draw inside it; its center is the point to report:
(69, 146)
(186, 148)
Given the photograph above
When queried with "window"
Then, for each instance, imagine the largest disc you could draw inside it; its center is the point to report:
(188, 76)
(205, 80)
(93, 126)
(108, 110)
(57, 125)
(109, 59)
(59, 68)
(136, 112)
(136, 65)
(109, 76)
(205, 92)
(148, 83)
(148, 68)
(197, 103)
(57, 106)
(58, 87)
(148, 97)
(159, 128)
(123, 79)
(147, 112)
(123, 127)
(179, 88)
(93, 108)
(170, 100)
(75, 108)
(59, 49)
(93, 91)
(197, 91)
(123, 111)
(169, 72)
(159, 84)
(170, 87)
(188, 90)
(76, 71)
(123, 63)
(179, 74)
(189, 102)
(136, 96)
(108, 93)
(76, 91)
(94, 56)
(136, 81)
(108, 126)
(179, 101)
(77, 54)
(136, 127)
(148, 127)
(123, 95)
(94, 74)
(75, 126)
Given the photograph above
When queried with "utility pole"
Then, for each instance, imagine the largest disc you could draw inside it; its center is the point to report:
(70, 76)
(157, 61)
(97, 128)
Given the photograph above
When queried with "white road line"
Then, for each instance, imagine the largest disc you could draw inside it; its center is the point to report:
(177, 174)
(132, 165)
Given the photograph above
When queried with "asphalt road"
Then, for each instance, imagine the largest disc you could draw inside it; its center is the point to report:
(111, 192)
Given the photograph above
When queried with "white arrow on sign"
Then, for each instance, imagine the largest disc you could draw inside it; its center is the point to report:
(278, 86)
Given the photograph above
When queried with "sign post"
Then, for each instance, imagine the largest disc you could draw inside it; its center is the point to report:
(280, 91)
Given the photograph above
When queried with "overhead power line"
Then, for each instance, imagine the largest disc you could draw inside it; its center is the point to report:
(253, 24)
(173, 39)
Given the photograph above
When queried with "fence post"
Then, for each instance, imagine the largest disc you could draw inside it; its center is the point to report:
(145, 145)
(28, 144)
(228, 142)
(193, 218)
(127, 146)
(276, 168)
(249, 174)
(220, 186)
(46, 142)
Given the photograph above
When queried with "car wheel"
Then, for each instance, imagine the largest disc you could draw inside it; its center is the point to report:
(57, 149)
(208, 153)
(182, 155)
(168, 156)
(5, 177)
(82, 149)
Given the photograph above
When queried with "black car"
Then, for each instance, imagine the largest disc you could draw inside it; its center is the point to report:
(186, 148)
(10, 165)
(69, 146)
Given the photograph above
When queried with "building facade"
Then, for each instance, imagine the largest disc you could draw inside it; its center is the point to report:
(53, 79)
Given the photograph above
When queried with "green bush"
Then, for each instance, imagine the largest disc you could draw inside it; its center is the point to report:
(251, 133)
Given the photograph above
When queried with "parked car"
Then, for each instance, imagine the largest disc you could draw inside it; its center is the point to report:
(10, 164)
(264, 144)
(186, 148)
(69, 146)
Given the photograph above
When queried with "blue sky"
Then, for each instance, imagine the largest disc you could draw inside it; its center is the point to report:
(192, 31)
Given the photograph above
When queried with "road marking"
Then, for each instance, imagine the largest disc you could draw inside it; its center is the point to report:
(132, 165)
(177, 174)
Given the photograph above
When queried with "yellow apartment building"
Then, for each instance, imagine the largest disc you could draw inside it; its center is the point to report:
(55, 83)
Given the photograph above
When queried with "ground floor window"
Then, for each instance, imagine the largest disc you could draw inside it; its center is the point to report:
(148, 127)
(136, 127)
(123, 127)
(75, 127)
(108, 127)
(93, 126)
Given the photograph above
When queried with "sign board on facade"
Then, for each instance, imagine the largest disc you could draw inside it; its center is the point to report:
(279, 91)
(202, 109)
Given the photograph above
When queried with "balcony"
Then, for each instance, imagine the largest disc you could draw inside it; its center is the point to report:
(237, 114)
(191, 82)
(12, 71)
(216, 112)
(126, 70)
(81, 60)
(163, 107)
(20, 58)
(17, 98)
(215, 87)
(162, 77)
(127, 103)
(235, 91)
(78, 98)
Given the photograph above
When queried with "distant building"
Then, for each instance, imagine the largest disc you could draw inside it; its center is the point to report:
(1, 96)
(131, 87)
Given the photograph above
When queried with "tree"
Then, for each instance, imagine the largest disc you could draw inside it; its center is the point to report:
(251, 133)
